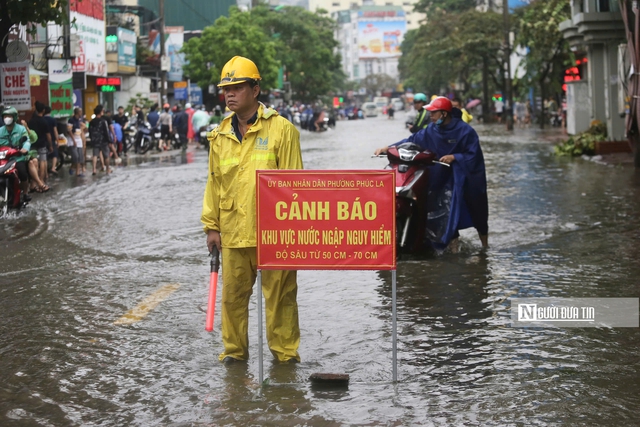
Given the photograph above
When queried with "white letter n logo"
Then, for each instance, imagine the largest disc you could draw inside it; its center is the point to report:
(527, 312)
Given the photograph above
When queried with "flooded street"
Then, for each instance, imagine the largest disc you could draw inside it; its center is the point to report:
(84, 254)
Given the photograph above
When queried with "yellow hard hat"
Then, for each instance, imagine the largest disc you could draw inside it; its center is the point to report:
(238, 70)
(433, 97)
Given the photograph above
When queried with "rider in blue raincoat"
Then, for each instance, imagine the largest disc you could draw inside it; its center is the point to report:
(457, 194)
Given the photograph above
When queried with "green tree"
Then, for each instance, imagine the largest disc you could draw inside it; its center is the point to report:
(549, 53)
(375, 83)
(447, 6)
(14, 12)
(465, 46)
(305, 47)
(237, 34)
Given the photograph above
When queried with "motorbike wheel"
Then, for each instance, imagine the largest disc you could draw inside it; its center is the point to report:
(4, 202)
(128, 143)
(145, 146)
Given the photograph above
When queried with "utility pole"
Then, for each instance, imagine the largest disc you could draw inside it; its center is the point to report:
(163, 72)
(66, 49)
(508, 105)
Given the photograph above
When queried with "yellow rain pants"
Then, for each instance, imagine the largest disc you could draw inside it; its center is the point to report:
(279, 287)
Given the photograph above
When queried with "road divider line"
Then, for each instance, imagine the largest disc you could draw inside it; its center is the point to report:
(139, 312)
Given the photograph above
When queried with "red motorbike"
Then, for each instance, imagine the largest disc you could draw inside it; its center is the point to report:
(10, 193)
(411, 165)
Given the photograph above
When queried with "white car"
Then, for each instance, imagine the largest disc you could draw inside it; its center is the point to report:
(397, 103)
(370, 109)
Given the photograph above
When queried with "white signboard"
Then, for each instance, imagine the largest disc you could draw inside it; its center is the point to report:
(91, 55)
(15, 86)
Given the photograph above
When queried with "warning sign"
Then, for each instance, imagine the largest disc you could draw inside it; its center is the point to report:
(326, 220)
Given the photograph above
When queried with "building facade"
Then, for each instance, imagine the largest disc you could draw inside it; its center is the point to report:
(370, 39)
(413, 19)
(596, 31)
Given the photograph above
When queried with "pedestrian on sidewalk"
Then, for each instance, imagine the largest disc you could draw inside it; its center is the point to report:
(100, 137)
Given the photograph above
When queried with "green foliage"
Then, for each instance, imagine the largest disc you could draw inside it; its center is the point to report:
(539, 30)
(375, 83)
(34, 11)
(305, 46)
(299, 41)
(448, 6)
(583, 143)
(237, 34)
(29, 11)
(140, 100)
(143, 53)
(436, 55)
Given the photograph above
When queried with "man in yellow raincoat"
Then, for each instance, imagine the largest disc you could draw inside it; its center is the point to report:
(252, 137)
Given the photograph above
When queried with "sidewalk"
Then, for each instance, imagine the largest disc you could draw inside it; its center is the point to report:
(552, 136)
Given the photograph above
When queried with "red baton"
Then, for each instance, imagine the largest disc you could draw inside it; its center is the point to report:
(213, 286)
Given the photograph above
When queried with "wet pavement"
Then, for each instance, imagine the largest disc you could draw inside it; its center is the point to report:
(87, 252)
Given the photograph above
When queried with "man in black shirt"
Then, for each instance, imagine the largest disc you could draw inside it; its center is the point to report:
(181, 125)
(44, 144)
(120, 118)
(123, 121)
(53, 130)
(100, 137)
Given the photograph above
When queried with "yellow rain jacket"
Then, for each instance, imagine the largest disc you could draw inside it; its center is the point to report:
(229, 207)
(466, 117)
(229, 204)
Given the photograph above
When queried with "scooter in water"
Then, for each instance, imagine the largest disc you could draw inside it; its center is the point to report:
(411, 165)
(10, 193)
(146, 138)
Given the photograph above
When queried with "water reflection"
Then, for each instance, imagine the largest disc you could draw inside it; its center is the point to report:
(88, 251)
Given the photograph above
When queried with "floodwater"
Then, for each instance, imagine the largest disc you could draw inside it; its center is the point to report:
(81, 256)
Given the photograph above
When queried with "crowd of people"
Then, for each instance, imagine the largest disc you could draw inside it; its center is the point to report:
(42, 138)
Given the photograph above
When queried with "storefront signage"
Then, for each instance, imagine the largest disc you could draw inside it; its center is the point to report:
(127, 40)
(91, 54)
(108, 84)
(15, 85)
(60, 87)
(326, 220)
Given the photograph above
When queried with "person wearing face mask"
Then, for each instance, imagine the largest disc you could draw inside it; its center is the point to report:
(463, 185)
(12, 134)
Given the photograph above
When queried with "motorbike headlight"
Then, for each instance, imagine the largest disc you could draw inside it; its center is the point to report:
(407, 155)
(407, 190)
(3, 155)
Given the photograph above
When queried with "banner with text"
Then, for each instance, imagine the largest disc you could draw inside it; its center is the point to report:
(326, 220)
(16, 90)
(61, 87)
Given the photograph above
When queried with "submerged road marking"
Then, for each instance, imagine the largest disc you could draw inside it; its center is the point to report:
(138, 312)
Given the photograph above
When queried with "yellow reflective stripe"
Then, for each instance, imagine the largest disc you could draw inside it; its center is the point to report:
(230, 161)
(263, 156)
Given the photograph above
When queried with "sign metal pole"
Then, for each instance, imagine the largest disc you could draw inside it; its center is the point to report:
(260, 345)
(394, 326)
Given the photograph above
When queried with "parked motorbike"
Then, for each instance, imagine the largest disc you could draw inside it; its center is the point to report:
(411, 165)
(146, 138)
(203, 134)
(10, 193)
(129, 136)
